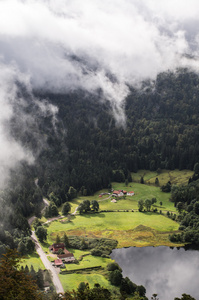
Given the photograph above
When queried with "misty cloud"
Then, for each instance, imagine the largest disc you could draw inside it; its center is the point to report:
(132, 40)
(13, 106)
(11, 151)
(63, 45)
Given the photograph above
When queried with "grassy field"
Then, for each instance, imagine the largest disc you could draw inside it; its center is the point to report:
(34, 260)
(88, 261)
(174, 176)
(142, 191)
(130, 229)
(72, 281)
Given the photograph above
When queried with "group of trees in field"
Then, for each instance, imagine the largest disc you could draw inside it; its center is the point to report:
(146, 204)
(87, 206)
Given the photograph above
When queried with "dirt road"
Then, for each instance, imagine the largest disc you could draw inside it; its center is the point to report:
(43, 257)
(48, 265)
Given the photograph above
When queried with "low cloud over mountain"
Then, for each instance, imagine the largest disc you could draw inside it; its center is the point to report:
(60, 46)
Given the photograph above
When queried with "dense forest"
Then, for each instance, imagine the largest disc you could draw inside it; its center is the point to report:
(90, 151)
(83, 149)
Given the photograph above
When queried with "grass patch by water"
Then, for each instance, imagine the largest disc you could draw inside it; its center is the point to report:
(72, 281)
(88, 261)
(120, 226)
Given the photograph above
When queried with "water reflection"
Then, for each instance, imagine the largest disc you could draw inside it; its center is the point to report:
(162, 270)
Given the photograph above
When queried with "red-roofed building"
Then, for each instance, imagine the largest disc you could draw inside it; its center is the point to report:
(55, 247)
(116, 193)
(58, 262)
(130, 193)
(66, 254)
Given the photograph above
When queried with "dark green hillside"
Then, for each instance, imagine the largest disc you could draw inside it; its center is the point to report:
(84, 148)
(162, 131)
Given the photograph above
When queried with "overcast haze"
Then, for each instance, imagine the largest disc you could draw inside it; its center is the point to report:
(62, 45)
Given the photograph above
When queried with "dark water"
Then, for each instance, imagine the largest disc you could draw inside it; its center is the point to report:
(162, 270)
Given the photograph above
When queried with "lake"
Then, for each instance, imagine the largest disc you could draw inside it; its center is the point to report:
(162, 270)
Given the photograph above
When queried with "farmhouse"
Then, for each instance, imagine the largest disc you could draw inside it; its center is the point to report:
(66, 259)
(58, 262)
(119, 193)
(130, 193)
(55, 247)
(67, 256)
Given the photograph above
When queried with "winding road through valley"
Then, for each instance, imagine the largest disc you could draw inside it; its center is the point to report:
(48, 265)
(43, 257)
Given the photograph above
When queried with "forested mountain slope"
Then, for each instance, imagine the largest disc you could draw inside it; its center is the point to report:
(162, 131)
(83, 147)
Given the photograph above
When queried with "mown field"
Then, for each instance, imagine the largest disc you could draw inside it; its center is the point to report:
(129, 228)
(72, 281)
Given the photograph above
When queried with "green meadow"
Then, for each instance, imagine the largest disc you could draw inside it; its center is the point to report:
(175, 176)
(126, 227)
(33, 260)
(142, 191)
(113, 220)
(72, 281)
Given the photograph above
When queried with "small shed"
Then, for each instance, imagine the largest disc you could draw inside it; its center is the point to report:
(116, 193)
(58, 262)
(130, 193)
(114, 201)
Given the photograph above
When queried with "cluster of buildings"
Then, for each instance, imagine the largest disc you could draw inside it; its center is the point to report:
(121, 193)
(63, 255)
